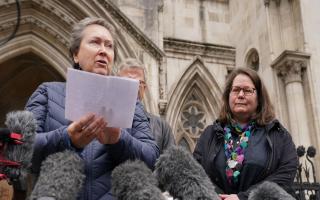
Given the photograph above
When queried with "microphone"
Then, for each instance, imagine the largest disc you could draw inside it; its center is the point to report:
(61, 177)
(17, 145)
(182, 176)
(269, 190)
(134, 180)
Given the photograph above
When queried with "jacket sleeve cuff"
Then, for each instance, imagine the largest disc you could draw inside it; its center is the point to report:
(67, 140)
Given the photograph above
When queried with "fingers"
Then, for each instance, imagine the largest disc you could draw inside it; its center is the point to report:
(110, 135)
(228, 197)
(84, 122)
(82, 132)
(93, 126)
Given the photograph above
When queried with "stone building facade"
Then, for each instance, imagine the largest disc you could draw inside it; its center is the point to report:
(188, 47)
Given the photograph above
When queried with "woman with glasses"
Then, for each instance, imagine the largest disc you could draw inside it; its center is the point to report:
(246, 145)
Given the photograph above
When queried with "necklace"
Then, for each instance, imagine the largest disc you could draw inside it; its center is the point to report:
(234, 149)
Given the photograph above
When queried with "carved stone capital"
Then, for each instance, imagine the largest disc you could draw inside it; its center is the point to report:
(162, 106)
(290, 66)
(292, 71)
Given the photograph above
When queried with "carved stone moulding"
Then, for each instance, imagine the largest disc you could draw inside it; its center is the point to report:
(290, 65)
(267, 2)
(133, 30)
(38, 24)
(277, 2)
(173, 45)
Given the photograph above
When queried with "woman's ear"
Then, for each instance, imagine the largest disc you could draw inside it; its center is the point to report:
(75, 58)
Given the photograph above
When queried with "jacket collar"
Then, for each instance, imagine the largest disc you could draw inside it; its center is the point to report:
(217, 128)
(273, 124)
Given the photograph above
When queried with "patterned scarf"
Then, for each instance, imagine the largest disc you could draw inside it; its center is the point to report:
(234, 149)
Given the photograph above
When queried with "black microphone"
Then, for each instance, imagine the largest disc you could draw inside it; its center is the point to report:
(134, 180)
(18, 138)
(61, 177)
(182, 176)
(267, 191)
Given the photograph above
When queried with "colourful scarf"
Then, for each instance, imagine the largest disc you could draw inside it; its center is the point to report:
(234, 149)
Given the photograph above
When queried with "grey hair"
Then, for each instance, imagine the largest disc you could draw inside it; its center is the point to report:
(132, 63)
(76, 34)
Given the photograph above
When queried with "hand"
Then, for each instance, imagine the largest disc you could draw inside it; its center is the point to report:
(82, 132)
(110, 135)
(228, 197)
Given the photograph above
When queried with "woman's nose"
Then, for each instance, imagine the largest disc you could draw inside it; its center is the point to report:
(102, 50)
(241, 93)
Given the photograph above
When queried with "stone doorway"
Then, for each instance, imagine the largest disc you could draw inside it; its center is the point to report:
(19, 77)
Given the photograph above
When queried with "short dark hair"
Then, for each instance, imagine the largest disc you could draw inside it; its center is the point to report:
(265, 111)
(76, 35)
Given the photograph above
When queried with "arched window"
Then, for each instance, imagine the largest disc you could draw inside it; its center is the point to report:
(252, 59)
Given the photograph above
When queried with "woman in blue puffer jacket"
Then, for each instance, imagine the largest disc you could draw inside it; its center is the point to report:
(93, 49)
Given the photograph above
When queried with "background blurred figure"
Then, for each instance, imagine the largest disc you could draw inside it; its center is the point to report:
(93, 49)
(160, 129)
(246, 145)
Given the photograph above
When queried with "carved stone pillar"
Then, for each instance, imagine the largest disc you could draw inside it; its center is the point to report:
(162, 87)
(290, 66)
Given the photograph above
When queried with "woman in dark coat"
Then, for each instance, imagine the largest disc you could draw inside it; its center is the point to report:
(246, 145)
(102, 148)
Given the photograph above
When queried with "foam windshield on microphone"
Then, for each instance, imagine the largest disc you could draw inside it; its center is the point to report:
(61, 177)
(20, 122)
(24, 123)
(268, 190)
(134, 180)
(182, 176)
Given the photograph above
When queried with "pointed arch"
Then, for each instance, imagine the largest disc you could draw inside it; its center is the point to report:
(34, 44)
(53, 20)
(45, 28)
(194, 103)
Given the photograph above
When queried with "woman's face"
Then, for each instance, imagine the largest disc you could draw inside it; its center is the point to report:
(243, 100)
(96, 51)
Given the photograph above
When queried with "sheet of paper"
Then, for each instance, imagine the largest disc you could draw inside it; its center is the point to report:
(112, 97)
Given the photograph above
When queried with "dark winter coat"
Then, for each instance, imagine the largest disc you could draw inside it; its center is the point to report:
(161, 131)
(47, 104)
(282, 159)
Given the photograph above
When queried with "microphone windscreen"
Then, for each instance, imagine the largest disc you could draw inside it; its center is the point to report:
(134, 180)
(61, 177)
(269, 191)
(24, 123)
(182, 176)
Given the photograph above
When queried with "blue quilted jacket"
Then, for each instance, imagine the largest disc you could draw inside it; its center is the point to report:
(47, 103)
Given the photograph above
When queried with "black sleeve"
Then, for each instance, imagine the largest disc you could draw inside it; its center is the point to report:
(286, 160)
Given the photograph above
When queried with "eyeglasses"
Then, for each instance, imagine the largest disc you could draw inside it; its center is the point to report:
(235, 90)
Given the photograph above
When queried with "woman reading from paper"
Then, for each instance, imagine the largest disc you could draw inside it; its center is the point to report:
(93, 49)
(246, 145)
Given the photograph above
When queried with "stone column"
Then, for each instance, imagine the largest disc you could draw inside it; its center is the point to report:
(290, 66)
(162, 87)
